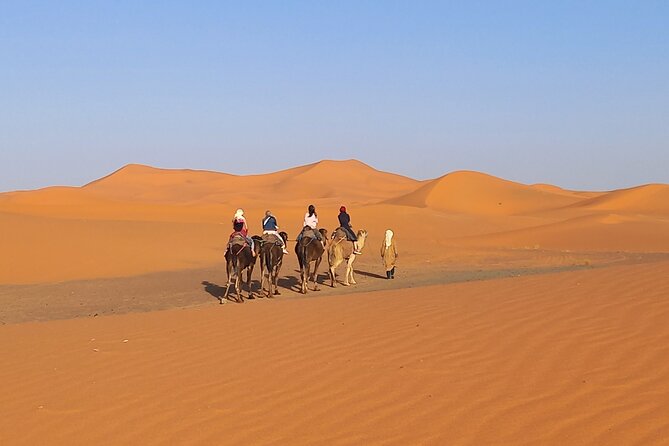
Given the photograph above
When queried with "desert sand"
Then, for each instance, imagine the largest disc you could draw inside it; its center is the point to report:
(521, 314)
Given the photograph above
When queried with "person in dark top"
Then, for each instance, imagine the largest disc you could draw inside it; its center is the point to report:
(269, 226)
(345, 224)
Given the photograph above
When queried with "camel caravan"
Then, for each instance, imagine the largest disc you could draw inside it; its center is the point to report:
(311, 245)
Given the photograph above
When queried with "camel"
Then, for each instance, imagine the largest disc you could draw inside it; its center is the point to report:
(309, 250)
(340, 249)
(239, 258)
(271, 259)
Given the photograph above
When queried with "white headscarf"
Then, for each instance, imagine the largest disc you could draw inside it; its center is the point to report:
(389, 238)
(239, 214)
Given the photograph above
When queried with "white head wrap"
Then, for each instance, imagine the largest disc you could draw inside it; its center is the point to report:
(389, 237)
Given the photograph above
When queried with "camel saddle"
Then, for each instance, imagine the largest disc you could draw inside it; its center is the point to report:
(307, 231)
(238, 239)
(272, 238)
(340, 234)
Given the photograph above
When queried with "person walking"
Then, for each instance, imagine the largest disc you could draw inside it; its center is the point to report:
(389, 254)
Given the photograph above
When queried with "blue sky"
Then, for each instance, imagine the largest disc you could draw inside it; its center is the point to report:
(570, 93)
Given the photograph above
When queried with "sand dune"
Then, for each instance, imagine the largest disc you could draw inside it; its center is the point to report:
(325, 179)
(602, 232)
(53, 249)
(477, 193)
(144, 183)
(575, 358)
(351, 181)
(569, 193)
(104, 229)
(651, 199)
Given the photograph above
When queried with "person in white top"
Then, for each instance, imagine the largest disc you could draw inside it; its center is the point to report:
(311, 221)
(311, 218)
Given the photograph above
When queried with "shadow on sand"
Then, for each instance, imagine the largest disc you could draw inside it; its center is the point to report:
(321, 279)
(214, 290)
(368, 274)
(217, 291)
(291, 283)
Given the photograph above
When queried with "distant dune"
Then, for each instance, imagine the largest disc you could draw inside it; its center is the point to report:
(569, 193)
(652, 199)
(325, 179)
(144, 183)
(143, 219)
(600, 232)
(478, 193)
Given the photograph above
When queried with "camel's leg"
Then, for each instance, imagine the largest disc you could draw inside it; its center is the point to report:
(276, 282)
(333, 277)
(262, 276)
(277, 270)
(238, 286)
(318, 262)
(304, 275)
(261, 291)
(227, 291)
(305, 280)
(227, 287)
(249, 273)
(268, 278)
(349, 269)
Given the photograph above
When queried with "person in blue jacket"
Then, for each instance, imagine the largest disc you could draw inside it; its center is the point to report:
(269, 226)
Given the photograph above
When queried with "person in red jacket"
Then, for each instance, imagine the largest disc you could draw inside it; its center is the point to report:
(240, 227)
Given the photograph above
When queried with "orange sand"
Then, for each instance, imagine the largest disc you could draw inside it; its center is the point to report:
(577, 357)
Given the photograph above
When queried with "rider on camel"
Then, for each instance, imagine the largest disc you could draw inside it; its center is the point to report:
(311, 223)
(345, 224)
(241, 229)
(269, 226)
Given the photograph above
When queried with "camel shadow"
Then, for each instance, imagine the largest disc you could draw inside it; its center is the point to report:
(217, 291)
(368, 274)
(289, 282)
(321, 278)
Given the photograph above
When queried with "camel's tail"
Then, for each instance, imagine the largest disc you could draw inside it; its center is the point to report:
(303, 257)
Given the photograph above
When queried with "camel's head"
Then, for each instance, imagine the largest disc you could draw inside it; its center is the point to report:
(284, 236)
(324, 233)
(362, 236)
